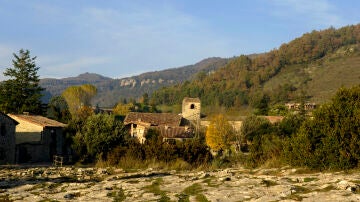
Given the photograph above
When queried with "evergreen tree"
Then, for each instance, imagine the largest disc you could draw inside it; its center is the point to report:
(21, 93)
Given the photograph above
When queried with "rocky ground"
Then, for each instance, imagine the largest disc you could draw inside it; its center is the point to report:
(110, 184)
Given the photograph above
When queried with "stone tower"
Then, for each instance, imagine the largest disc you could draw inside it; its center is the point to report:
(191, 109)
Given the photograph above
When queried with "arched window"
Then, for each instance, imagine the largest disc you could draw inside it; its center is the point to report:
(192, 106)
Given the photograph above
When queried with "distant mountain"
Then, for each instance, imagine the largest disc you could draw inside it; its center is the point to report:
(110, 91)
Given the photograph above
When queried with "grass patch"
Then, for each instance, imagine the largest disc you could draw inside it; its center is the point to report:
(193, 190)
(48, 200)
(133, 181)
(300, 189)
(155, 189)
(54, 185)
(36, 193)
(210, 182)
(118, 195)
(268, 183)
(310, 179)
(326, 189)
(201, 198)
(291, 180)
(305, 171)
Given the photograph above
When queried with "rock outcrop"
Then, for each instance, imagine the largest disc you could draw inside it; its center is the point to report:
(107, 184)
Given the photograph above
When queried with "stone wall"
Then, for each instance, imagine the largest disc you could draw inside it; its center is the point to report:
(191, 109)
(7, 140)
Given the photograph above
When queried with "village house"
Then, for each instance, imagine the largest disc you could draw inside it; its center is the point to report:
(7, 139)
(37, 138)
(170, 126)
(296, 106)
(140, 123)
(238, 122)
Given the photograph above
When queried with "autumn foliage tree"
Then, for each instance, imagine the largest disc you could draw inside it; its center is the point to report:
(79, 98)
(123, 109)
(219, 134)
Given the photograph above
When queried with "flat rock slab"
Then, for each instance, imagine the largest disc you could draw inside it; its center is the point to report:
(110, 184)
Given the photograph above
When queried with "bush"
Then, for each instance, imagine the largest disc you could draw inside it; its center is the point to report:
(264, 148)
(98, 134)
(331, 139)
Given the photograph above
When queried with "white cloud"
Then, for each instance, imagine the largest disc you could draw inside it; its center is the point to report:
(318, 12)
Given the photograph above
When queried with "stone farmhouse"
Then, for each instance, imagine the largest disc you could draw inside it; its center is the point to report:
(7, 139)
(171, 126)
(296, 106)
(237, 123)
(37, 138)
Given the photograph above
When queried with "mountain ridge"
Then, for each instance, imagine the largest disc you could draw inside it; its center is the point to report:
(111, 90)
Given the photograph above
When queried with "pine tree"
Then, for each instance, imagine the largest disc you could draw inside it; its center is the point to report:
(21, 93)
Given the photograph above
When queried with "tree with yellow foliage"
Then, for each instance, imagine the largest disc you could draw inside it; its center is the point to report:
(78, 97)
(123, 109)
(219, 134)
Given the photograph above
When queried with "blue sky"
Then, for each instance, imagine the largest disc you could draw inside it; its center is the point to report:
(118, 38)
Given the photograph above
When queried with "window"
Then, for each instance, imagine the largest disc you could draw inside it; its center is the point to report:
(192, 106)
(3, 129)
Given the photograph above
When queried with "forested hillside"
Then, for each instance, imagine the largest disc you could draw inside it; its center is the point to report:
(110, 91)
(310, 67)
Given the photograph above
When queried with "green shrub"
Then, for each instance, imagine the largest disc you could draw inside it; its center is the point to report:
(331, 139)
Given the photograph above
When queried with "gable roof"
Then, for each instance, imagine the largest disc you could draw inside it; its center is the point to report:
(176, 132)
(38, 120)
(8, 117)
(155, 119)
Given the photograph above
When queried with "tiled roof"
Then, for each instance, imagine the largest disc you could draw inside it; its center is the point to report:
(176, 132)
(155, 119)
(189, 99)
(38, 120)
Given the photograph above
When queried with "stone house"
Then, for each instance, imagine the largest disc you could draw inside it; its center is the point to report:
(237, 124)
(7, 139)
(170, 126)
(37, 138)
(296, 106)
(179, 133)
(140, 123)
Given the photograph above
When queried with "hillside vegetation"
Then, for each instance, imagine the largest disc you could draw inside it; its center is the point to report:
(111, 91)
(309, 68)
